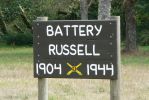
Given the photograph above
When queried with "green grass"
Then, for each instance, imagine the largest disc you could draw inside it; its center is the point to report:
(16, 56)
(141, 57)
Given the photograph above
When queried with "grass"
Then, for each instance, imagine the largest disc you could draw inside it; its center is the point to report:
(140, 58)
(10, 56)
(17, 82)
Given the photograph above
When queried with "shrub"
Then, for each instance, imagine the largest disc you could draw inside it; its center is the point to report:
(143, 37)
(18, 39)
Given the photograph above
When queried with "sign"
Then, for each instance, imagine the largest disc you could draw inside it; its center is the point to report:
(75, 49)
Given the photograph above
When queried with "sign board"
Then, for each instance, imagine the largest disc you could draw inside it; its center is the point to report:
(75, 49)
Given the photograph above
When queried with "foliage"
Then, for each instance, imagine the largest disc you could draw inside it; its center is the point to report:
(11, 9)
(117, 10)
(142, 19)
(70, 10)
(144, 37)
(71, 13)
(18, 39)
(142, 16)
(93, 10)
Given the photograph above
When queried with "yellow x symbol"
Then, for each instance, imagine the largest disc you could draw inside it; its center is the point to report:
(74, 69)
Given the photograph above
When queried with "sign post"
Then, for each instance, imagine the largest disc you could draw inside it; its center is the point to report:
(115, 84)
(77, 49)
(42, 82)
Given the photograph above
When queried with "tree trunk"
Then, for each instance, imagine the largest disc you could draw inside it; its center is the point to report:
(104, 9)
(131, 45)
(84, 9)
(18, 29)
(24, 18)
(3, 24)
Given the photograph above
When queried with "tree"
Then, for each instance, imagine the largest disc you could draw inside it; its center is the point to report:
(84, 6)
(131, 41)
(3, 26)
(104, 9)
(84, 9)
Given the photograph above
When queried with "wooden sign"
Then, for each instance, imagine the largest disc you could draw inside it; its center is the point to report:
(75, 49)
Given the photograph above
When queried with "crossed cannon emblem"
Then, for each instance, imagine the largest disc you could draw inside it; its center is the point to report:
(74, 69)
